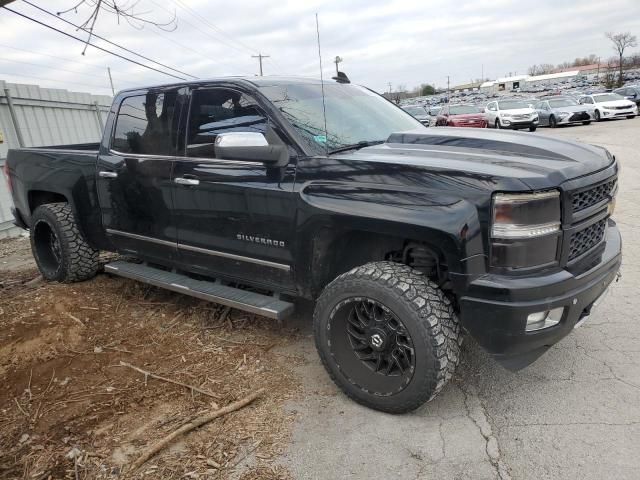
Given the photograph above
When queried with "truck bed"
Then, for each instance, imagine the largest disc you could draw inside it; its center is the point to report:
(57, 173)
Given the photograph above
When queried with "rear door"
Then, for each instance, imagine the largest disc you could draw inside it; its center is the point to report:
(134, 174)
(235, 218)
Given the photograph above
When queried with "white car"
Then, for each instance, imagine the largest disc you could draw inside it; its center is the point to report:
(610, 105)
(514, 114)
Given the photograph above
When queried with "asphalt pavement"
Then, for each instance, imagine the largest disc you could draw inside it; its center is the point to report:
(573, 414)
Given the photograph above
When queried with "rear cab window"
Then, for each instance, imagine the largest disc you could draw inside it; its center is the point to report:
(146, 124)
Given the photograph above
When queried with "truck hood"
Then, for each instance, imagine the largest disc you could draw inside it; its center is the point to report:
(536, 160)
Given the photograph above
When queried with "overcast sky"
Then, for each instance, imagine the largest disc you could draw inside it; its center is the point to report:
(403, 42)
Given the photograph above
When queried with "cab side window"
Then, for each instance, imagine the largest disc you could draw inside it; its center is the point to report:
(146, 124)
(219, 110)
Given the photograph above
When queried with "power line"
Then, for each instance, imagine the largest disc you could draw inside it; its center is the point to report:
(186, 47)
(107, 40)
(93, 45)
(19, 75)
(212, 26)
(39, 65)
(71, 60)
(216, 39)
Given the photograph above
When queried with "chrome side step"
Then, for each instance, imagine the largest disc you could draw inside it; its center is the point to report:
(214, 292)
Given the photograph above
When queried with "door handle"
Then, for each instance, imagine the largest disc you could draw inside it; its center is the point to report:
(186, 181)
(105, 174)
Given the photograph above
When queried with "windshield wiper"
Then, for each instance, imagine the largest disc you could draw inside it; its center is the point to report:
(356, 146)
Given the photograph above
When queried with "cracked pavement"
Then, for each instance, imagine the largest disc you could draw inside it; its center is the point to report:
(575, 413)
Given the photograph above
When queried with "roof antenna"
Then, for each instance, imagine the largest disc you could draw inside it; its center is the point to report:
(324, 108)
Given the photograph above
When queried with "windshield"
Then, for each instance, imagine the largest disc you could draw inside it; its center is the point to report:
(415, 110)
(462, 109)
(354, 114)
(607, 97)
(512, 105)
(562, 102)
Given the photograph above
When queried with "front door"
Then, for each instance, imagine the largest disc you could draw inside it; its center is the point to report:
(134, 175)
(235, 218)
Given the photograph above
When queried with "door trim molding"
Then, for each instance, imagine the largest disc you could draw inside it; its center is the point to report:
(231, 256)
(191, 248)
(143, 238)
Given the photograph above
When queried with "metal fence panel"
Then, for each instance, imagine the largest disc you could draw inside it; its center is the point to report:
(45, 116)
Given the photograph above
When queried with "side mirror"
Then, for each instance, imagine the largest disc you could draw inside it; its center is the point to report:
(250, 147)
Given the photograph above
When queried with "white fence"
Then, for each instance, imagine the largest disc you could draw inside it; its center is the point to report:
(31, 116)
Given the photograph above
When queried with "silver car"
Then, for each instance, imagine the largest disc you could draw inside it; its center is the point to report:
(563, 111)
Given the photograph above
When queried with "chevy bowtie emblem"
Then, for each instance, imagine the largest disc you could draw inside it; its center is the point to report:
(261, 240)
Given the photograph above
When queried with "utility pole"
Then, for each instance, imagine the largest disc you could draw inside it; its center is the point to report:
(337, 61)
(447, 88)
(260, 57)
(389, 87)
(113, 90)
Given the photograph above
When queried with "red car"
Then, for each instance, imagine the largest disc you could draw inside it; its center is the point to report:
(461, 116)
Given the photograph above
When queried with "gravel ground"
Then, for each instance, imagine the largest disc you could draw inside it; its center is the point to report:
(575, 413)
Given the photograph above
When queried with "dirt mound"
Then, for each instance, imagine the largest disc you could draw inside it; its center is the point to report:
(68, 407)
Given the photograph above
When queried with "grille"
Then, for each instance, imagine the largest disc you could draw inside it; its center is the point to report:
(586, 239)
(593, 195)
(579, 116)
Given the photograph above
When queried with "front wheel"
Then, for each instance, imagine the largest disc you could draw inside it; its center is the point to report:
(552, 122)
(588, 122)
(59, 248)
(532, 128)
(388, 337)
(498, 125)
(630, 116)
(597, 115)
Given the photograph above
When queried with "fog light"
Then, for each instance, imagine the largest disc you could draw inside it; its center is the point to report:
(546, 319)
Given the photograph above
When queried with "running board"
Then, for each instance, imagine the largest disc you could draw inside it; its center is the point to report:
(214, 292)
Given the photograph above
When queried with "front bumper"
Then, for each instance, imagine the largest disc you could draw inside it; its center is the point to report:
(515, 124)
(619, 113)
(575, 118)
(495, 309)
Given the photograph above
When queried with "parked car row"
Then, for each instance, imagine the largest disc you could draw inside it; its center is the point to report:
(529, 113)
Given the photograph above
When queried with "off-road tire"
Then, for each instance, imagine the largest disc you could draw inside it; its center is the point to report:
(425, 311)
(76, 260)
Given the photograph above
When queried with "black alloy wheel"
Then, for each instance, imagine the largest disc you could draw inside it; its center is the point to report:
(371, 345)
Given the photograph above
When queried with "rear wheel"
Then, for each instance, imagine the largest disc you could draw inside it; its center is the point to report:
(59, 248)
(388, 337)
(588, 122)
(552, 122)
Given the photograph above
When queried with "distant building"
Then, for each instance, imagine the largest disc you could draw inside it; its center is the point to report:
(553, 77)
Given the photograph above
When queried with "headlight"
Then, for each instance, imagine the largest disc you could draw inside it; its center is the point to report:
(525, 229)
(506, 115)
(563, 114)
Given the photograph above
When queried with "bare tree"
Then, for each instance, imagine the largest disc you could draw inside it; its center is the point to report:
(123, 9)
(621, 41)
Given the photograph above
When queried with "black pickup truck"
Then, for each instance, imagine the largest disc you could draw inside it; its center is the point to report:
(243, 191)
